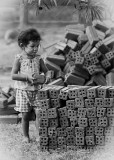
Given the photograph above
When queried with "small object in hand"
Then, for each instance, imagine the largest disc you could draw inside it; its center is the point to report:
(38, 79)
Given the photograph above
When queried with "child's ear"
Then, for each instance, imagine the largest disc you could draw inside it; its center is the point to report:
(21, 45)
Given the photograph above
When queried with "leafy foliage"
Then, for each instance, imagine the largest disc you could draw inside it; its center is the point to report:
(88, 10)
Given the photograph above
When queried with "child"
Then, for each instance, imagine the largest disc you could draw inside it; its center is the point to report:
(26, 68)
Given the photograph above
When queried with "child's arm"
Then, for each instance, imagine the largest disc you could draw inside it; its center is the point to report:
(44, 69)
(18, 76)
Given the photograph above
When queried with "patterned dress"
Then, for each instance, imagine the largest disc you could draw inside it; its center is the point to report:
(27, 94)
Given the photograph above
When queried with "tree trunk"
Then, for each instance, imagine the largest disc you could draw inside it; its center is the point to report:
(23, 14)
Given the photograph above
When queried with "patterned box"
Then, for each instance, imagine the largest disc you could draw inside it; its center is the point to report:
(44, 103)
(79, 131)
(71, 148)
(70, 140)
(69, 131)
(109, 140)
(109, 55)
(61, 132)
(109, 131)
(92, 92)
(64, 122)
(52, 131)
(70, 104)
(54, 92)
(63, 112)
(61, 141)
(82, 122)
(53, 141)
(73, 122)
(111, 92)
(43, 113)
(73, 93)
(43, 148)
(82, 112)
(79, 102)
(52, 113)
(43, 131)
(92, 122)
(90, 140)
(89, 103)
(72, 114)
(99, 131)
(101, 112)
(63, 93)
(91, 69)
(90, 131)
(80, 141)
(44, 122)
(103, 121)
(43, 141)
(108, 102)
(100, 140)
(53, 122)
(82, 91)
(43, 94)
(91, 112)
(55, 103)
(102, 92)
(110, 112)
(99, 102)
(111, 121)
(105, 63)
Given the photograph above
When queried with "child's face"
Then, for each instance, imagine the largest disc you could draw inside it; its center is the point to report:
(32, 48)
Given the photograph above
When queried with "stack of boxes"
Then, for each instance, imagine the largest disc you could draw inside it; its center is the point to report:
(7, 103)
(76, 117)
(85, 56)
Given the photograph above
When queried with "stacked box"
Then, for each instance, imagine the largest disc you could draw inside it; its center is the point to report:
(85, 120)
(90, 50)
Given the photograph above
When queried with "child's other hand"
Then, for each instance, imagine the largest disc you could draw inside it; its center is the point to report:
(47, 80)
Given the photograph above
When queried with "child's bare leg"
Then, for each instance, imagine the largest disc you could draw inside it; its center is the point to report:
(37, 123)
(25, 125)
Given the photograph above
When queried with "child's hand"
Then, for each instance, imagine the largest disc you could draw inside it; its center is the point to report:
(30, 79)
(38, 79)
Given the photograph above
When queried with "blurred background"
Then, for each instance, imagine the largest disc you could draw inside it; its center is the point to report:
(50, 22)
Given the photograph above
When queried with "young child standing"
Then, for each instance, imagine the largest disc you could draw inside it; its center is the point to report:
(26, 68)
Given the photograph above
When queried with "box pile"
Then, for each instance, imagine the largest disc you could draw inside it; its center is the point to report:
(85, 56)
(7, 103)
(76, 117)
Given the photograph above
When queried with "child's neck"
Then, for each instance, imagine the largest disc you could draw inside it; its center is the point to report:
(28, 56)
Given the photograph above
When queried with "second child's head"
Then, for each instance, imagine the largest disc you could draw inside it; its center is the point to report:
(29, 41)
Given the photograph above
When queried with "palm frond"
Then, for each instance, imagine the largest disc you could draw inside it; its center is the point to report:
(39, 2)
(55, 2)
(91, 10)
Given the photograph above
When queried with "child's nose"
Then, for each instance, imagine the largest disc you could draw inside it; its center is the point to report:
(35, 48)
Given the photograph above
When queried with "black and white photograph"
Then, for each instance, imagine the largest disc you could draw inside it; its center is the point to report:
(56, 79)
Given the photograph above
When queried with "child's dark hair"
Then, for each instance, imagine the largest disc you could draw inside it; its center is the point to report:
(28, 35)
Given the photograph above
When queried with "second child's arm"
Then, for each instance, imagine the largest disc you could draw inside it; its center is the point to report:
(18, 76)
